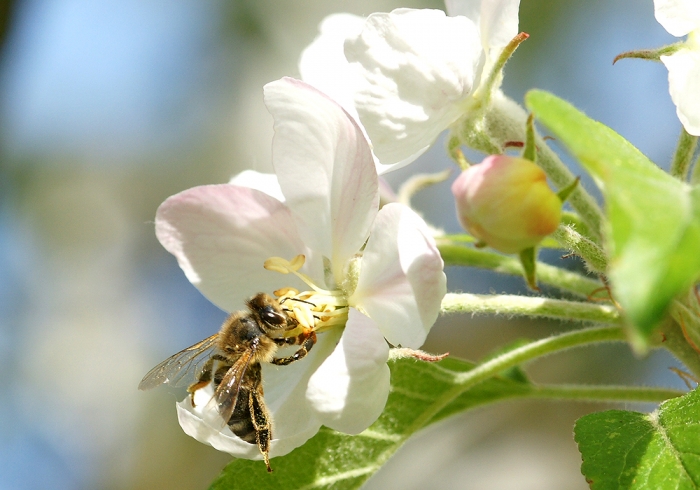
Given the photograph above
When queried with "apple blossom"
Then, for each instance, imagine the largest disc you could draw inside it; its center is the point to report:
(413, 73)
(506, 203)
(681, 17)
(366, 276)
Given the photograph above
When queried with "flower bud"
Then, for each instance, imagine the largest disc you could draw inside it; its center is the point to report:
(506, 203)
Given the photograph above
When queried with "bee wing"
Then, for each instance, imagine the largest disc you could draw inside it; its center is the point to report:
(226, 393)
(181, 365)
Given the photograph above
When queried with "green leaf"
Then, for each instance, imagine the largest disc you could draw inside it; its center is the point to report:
(653, 234)
(422, 393)
(631, 450)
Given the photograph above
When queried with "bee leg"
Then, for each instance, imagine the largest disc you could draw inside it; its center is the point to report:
(203, 379)
(205, 376)
(306, 344)
(282, 341)
(261, 421)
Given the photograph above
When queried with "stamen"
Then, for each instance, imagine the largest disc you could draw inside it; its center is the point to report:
(278, 264)
(317, 309)
(280, 293)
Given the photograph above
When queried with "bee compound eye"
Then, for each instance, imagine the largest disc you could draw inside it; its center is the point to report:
(273, 317)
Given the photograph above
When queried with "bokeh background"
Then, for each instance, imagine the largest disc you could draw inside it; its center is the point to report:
(107, 107)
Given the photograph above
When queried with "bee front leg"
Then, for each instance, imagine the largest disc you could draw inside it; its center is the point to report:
(307, 341)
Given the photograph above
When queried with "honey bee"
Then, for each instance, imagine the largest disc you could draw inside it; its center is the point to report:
(230, 359)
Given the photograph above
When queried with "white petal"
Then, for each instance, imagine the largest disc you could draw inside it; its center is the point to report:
(678, 17)
(325, 168)
(419, 67)
(350, 389)
(221, 236)
(323, 62)
(497, 20)
(294, 420)
(211, 430)
(401, 282)
(323, 65)
(286, 386)
(266, 183)
(684, 84)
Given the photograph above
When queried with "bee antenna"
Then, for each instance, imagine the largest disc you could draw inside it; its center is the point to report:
(299, 300)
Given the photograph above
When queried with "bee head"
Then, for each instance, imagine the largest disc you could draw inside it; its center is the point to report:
(268, 310)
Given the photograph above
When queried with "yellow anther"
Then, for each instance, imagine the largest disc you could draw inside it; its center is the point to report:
(286, 292)
(297, 262)
(277, 264)
(317, 309)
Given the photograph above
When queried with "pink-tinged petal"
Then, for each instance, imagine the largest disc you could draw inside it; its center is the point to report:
(221, 236)
(401, 282)
(684, 85)
(325, 168)
(497, 21)
(349, 390)
(678, 17)
(418, 69)
(266, 183)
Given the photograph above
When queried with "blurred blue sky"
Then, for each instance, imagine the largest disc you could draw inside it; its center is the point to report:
(118, 77)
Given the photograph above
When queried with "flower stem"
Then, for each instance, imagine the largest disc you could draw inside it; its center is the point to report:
(673, 340)
(465, 380)
(496, 73)
(683, 155)
(604, 393)
(573, 220)
(595, 258)
(504, 304)
(536, 349)
(546, 274)
(695, 176)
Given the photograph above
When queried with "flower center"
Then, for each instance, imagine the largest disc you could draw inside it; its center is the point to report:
(317, 309)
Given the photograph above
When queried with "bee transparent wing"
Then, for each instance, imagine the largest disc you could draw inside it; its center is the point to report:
(226, 393)
(186, 364)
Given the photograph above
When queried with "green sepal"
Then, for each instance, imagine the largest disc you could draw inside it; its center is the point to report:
(530, 148)
(650, 54)
(564, 193)
(528, 259)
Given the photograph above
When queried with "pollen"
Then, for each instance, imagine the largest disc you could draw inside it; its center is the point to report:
(317, 309)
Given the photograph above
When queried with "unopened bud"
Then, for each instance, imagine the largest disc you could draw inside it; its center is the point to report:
(506, 203)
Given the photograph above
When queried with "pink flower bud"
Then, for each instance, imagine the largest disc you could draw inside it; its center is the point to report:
(506, 203)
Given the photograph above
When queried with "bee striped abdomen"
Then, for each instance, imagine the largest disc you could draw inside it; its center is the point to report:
(241, 422)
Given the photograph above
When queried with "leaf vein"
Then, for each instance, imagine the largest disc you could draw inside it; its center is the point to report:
(381, 436)
(411, 394)
(324, 481)
(653, 417)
